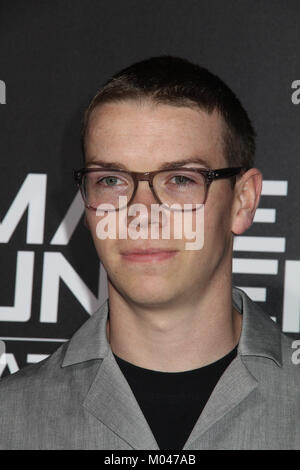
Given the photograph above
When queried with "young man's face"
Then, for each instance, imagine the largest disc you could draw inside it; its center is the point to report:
(142, 137)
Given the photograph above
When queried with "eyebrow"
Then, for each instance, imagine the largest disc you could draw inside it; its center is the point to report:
(163, 166)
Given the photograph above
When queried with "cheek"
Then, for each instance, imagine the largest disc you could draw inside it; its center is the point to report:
(91, 221)
(217, 223)
(103, 247)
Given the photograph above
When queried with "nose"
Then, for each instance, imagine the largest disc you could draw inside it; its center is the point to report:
(144, 194)
(157, 219)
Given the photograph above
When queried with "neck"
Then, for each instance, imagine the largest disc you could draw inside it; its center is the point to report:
(198, 331)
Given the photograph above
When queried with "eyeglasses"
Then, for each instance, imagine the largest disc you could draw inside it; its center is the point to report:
(169, 187)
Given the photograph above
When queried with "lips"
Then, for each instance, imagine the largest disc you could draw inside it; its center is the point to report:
(147, 251)
(148, 255)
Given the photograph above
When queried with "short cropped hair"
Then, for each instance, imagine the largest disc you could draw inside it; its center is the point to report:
(178, 82)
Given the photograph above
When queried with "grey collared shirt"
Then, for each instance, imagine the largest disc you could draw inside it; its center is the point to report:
(79, 399)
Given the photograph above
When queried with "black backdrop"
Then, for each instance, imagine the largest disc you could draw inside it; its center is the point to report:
(54, 55)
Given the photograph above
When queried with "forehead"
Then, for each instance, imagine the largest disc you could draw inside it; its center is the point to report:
(145, 134)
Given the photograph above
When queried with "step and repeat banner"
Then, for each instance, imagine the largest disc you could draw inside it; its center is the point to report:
(54, 55)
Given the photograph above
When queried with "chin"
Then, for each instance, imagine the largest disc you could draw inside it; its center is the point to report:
(148, 291)
(149, 300)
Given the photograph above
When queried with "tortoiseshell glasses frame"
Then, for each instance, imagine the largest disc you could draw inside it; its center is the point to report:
(208, 174)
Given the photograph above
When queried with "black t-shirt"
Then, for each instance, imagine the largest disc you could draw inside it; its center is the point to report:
(173, 401)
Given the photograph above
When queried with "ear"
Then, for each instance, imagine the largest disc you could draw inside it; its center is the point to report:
(246, 199)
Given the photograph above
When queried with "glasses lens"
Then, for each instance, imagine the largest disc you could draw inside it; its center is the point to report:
(180, 187)
(105, 187)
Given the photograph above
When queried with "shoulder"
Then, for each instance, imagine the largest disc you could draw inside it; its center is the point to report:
(46, 370)
(46, 382)
(279, 380)
(272, 357)
(64, 375)
(40, 401)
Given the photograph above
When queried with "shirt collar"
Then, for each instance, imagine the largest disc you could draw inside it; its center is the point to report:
(260, 336)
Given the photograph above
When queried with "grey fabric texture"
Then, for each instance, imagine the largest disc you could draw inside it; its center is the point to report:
(78, 397)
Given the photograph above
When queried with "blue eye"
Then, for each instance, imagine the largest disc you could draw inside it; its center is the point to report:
(182, 180)
(109, 180)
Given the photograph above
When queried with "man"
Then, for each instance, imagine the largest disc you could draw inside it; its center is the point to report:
(176, 358)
